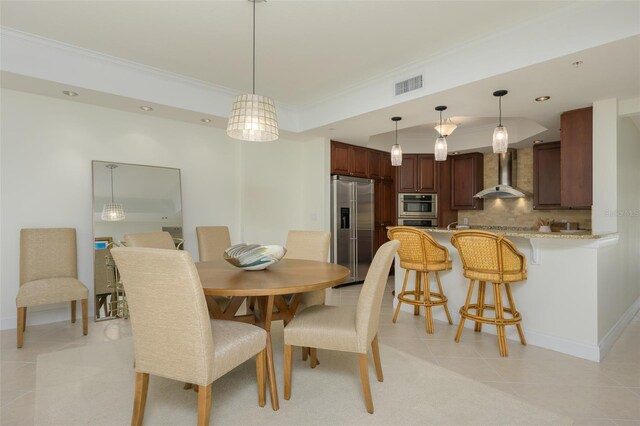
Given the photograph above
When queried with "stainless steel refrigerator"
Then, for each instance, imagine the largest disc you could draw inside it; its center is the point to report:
(352, 225)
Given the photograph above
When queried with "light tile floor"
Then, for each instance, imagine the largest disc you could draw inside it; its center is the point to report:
(606, 393)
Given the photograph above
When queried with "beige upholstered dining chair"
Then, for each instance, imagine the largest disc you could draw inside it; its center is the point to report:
(181, 343)
(49, 273)
(345, 328)
(212, 242)
(309, 245)
(159, 239)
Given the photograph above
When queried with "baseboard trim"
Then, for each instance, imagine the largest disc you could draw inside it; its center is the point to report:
(614, 333)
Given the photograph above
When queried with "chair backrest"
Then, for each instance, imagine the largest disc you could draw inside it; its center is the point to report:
(308, 245)
(160, 240)
(169, 318)
(417, 247)
(212, 242)
(488, 253)
(368, 309)
(47, 253)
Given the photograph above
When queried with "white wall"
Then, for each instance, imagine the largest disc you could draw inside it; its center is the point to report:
(619, 266)
(605, 116)
(47, 146)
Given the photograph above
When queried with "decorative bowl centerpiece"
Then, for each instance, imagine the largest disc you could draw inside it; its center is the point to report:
(253, 257)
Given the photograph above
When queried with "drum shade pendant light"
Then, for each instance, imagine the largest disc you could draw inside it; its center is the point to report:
(440, 149)
(112, 212)
(253, 117)
(500, 135)
(396, 150)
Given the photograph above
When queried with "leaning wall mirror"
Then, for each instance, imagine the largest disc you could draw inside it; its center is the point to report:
(128, 198)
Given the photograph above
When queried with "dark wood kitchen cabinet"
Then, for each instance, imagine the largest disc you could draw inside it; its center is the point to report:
(384, 209)
(387, 171)
(348, 160)
(546, 176)
(418, 173)
(467, 175)
(576, 158)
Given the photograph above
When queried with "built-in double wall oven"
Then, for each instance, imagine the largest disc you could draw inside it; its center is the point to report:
(419, 210)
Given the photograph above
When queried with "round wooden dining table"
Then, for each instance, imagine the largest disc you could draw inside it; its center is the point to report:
(288, 276)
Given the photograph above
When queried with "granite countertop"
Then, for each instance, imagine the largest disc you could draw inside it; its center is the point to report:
(525, 233)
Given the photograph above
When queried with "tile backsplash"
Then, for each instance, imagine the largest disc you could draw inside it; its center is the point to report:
(517, 211)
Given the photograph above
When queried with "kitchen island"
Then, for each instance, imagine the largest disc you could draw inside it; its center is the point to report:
(570, 280)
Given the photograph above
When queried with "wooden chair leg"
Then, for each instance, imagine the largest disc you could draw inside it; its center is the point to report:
(464, 309)
(287, 371)
(416, 293)
(139, 398)
(313, 354)
(204, 404)
(502, 340)
(24, 323)
(376, 358)
(85, 316)
(305, 353)
(364, 376)
(261, 366)
(404, 288)
(73, 311)
(512, 305)
(481, 288)
(428, 314)
(20, 329)
(446, 309)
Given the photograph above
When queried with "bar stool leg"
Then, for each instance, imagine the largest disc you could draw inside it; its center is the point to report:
(481, 287)
(464, 309)
(446, 309)
(404, 288)
(502, 340)
(416, 293)
(512, 305)
(427, 299)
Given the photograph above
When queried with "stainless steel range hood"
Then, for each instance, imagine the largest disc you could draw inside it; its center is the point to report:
(506, 178)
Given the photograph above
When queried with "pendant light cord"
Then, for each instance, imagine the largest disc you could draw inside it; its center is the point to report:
(396, 133)
(254, 47)
(111, 168)
(440, 124)
(500, 108)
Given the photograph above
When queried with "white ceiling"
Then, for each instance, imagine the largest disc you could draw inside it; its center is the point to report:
(330, 65)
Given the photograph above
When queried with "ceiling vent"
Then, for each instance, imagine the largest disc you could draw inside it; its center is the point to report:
(413, 83)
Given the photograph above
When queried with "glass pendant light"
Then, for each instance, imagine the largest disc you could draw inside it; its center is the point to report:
(440, 149)
(446, 127)
(396, 150)
(500, 135)
(112, 212)
(253, 117)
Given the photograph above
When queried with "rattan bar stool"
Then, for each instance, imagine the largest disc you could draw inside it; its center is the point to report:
(488, 257)
(420, 253)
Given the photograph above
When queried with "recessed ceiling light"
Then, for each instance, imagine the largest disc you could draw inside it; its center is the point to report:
(456, 152)
(543, 98)
(576, 63)
(69, 93)
(205, 120)
(146, 108)
(538, 141)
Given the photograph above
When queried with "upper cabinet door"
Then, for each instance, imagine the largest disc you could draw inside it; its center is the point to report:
(467, 174)
(358, 161)
(339, 158)
(386, 169)
(546, 176)
(576, 157)
(374, 162)
(427, 178)
(407, 173)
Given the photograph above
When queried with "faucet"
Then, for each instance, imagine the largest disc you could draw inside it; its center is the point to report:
(449, 225)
